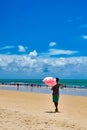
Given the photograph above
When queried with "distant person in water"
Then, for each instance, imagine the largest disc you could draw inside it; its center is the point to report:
(55, 94)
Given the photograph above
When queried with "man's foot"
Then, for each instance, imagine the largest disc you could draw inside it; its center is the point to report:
(56, 110)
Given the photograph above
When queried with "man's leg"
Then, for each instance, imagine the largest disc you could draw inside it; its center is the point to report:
(56, 106)
(55, 100)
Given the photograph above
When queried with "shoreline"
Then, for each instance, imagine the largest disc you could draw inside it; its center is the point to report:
(35, 111)
(45, 89)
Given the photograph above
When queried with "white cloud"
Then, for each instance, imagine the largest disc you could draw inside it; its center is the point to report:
(33, 54)
(39, 65)
(6, 47)
(84, 37)
(51, 44)
(58, 52)
(21, 48)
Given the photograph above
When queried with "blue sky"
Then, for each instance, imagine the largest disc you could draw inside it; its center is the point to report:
(40, 38)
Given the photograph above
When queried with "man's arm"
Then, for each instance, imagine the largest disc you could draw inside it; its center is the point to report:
(52, 87)
(62, 85)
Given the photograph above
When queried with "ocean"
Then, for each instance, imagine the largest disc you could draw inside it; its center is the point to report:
(73, 86)
(79, 83)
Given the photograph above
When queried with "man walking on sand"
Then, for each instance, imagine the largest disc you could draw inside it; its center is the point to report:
(55, 94)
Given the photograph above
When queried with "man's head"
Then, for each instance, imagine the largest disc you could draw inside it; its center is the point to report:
(57, 79)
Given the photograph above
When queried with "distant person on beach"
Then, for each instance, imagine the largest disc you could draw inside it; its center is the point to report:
(17, 86)
(55, 94)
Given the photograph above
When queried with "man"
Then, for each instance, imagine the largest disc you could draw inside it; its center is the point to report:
(55, 94)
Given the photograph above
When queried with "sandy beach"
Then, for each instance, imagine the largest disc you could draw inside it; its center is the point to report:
(33, 111)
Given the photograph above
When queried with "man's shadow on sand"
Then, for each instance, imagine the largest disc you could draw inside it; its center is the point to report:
(52, 112)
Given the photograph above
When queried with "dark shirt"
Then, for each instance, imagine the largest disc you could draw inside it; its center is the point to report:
(56, 89)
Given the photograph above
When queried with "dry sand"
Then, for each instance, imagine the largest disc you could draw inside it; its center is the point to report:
(33, 111)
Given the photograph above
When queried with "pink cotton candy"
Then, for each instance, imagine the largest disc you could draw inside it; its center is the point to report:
(50, 81)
